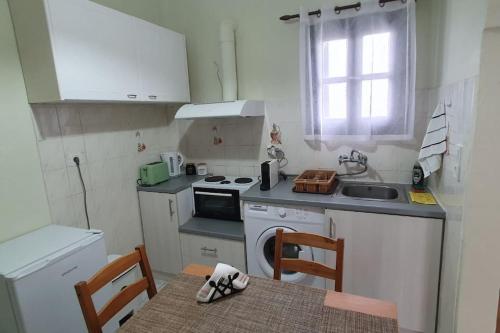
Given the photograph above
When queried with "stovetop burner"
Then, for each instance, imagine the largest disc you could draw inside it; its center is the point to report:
(243, 180)
(214, 179)
(225, 182)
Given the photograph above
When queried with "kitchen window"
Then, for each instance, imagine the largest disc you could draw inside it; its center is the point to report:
(358, 73)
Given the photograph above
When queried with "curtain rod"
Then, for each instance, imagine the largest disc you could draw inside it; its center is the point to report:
(338, 9)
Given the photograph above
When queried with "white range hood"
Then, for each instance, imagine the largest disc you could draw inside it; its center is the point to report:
(241, 108)
(231, 107)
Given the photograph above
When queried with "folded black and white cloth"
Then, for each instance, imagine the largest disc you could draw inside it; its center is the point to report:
(224, 280)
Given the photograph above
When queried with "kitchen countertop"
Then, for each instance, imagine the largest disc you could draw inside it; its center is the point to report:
(282, 194)
(173, 185)
(232, 230)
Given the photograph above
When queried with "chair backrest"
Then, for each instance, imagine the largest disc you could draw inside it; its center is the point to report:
(309, 267)
(95, 320)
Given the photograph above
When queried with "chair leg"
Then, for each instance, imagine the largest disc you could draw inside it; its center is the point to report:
(146, 271)
(339, 267)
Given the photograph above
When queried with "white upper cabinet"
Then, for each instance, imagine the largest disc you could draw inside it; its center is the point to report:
(163, 63)
(95, 53)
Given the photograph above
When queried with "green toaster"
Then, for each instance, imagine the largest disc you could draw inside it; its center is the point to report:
(153, 173)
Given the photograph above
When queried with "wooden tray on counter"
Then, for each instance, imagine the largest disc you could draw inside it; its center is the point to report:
(315, 181)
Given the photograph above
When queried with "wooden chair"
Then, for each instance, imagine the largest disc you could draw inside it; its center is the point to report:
(85, 289)
(498, 315)
(309, 267)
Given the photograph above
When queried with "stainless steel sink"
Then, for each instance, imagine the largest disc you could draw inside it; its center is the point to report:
(372, 191)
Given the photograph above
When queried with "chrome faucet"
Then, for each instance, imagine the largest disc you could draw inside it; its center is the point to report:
(356, 157)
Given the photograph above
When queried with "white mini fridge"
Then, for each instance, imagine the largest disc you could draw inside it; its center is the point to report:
(38, 272)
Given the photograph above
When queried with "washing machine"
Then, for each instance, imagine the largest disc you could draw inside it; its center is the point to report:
(261, 222)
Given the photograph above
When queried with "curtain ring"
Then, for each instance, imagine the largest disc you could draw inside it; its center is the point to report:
(403, 1)
(318, 15)
(382, 3)
(337, 11)
(358, 8)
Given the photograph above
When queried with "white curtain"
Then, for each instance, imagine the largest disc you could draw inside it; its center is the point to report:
(357, 72)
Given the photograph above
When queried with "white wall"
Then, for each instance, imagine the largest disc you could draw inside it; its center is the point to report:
(149, 10)
(461, 23)
(23, 204)
(267, 62)
(457, 39)
(480, 272)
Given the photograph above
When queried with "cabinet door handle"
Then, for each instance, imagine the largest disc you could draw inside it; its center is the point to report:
(211, 251)
(170, 202)
(333, 229)
(152, 96)
(132, 96)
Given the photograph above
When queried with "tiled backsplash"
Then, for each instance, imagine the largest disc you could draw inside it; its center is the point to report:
(245, 141)
(105, 137)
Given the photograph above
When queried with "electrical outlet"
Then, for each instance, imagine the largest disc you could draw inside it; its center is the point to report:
(70, 158)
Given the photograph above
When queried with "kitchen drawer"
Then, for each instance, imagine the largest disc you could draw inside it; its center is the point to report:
(121, 282)
(210, 251)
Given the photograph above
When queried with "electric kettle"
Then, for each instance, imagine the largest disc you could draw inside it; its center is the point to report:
(174, 161)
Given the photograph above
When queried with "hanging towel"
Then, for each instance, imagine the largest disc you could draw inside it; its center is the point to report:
(434, 144)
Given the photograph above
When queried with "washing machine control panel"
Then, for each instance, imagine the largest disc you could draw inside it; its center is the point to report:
(285, 212)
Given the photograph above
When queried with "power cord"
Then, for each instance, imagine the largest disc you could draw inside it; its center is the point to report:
(77, 162)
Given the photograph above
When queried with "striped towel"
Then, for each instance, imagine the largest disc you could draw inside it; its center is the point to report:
(434, 145)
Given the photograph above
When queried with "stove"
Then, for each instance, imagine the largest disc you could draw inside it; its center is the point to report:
(219, 196)
(227, 182)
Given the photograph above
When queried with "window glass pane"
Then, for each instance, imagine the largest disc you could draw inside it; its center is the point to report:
(375, 98)
(336, 51)
(376, 53)
(337, 104)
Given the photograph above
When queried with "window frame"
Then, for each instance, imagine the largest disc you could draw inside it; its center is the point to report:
(381, 127)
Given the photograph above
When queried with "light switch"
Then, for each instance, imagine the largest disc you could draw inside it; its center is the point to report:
(458, 163)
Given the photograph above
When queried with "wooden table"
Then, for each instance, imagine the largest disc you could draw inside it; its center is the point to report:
(265, 306)
(333, 299)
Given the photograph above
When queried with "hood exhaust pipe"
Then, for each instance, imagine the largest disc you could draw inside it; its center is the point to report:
(228, 59)
(231, 106)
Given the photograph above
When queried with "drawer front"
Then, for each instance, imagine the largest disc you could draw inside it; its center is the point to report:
(121, 283)
(210, 251)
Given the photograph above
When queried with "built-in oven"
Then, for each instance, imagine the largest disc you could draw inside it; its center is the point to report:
(217, 203)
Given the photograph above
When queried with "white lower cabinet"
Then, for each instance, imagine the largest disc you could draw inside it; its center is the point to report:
(210, 251)
(161, 214)
(395, 258)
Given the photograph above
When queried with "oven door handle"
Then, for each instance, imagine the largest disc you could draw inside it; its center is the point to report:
(214, 194)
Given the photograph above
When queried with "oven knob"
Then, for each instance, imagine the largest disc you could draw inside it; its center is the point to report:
(282, 212)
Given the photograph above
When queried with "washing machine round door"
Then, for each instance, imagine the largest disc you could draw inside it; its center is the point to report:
(264, 251)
